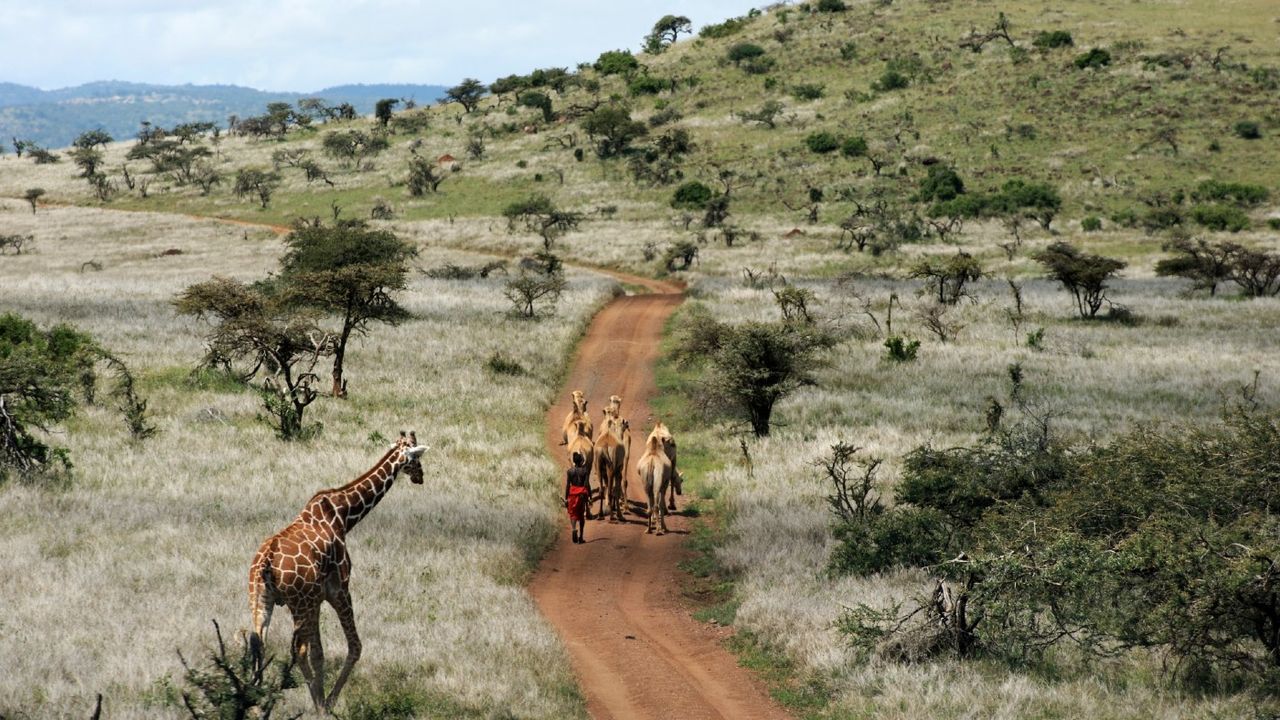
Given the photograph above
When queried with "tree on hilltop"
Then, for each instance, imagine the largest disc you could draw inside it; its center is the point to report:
(666, 31)
(466, 93)
(382, 110)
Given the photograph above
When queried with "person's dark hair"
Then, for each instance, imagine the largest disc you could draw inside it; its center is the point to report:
(578, 458)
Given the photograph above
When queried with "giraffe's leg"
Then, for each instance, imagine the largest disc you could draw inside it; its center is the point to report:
(305, 633)
(340, 599)
(316, 653)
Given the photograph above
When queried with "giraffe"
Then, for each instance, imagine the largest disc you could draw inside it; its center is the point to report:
(306, 564)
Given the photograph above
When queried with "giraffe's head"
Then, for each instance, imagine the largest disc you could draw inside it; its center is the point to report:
(410, 455)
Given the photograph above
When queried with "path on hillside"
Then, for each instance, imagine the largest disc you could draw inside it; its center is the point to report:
(615, 600)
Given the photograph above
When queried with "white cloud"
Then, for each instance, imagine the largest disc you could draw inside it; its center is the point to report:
(296, 45)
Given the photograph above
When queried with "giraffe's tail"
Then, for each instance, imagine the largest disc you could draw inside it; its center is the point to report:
(261, 597)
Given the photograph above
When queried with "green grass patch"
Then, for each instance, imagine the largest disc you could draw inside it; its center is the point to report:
(394, 695)
(186, 378)
(807, 696)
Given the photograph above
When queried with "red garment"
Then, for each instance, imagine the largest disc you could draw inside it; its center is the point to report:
(577, 502)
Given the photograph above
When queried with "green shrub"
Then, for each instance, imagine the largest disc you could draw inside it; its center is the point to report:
(1038, 200)
(1242, 194)
(692, 195)
(1161, 218)
(1035, 339)
(743, 51)
(1128, 217)
(500, 364)
(760, 66)
(969, 205)
(822, 142)
(1091, 223)
(647, 85)
(831, 6)
(903, 537)
(942, 183)
(1220, 217)
(900, 349)
(1048, 40)
(1248, 130)
(732, 26)
(807, 91)
(1095, 58)
(1273, 223)
(849, 51)
(854, 146)
(616, 62)
(890, 80)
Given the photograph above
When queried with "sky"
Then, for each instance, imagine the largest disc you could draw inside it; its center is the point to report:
(306, 45)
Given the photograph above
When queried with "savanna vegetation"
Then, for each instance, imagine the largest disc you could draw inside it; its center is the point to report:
(978, 344)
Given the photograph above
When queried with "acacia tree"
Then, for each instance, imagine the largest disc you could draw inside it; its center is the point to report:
(258, 327)
(612, 130)
(946, 278)
(382, 110)
(352, 147)
(256, 182)
(349, 270)
(423, 176)
(1204, 263)
(528, 291)
(539, 100)
(753, 365)
(33, 195)
(44, 375)
(466, 93)
(666, 31)
(1085, 276)
(539, 214)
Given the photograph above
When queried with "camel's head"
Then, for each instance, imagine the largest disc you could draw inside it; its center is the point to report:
(410, 455)
(615, 402)
(579, 402)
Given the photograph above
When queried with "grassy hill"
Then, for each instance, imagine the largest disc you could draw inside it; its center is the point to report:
(991, 92)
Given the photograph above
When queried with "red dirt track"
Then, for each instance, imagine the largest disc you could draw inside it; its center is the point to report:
(615, 600)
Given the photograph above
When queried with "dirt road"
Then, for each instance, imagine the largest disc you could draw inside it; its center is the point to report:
(615, 600)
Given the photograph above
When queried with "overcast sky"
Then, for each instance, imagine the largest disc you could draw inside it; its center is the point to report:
(306, 45)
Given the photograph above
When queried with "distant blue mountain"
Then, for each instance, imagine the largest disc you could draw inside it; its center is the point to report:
(53, 118)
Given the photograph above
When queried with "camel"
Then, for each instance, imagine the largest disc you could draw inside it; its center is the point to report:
(614, 407)
(611, 462)
(655, 472)
(580, 442)
(578, 413)
(664, 436)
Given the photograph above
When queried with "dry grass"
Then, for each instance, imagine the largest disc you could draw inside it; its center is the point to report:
(1184, 360)
(114, 572)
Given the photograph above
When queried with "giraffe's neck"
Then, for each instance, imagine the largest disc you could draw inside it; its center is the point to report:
(357, 498)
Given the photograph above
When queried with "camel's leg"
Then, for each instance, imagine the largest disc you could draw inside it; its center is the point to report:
(649, 494)
(306, 638)
(662, 510)
(620, 503)
(340, 599)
